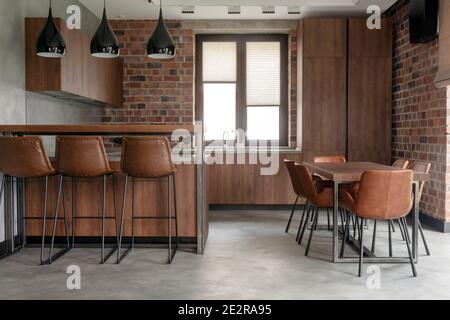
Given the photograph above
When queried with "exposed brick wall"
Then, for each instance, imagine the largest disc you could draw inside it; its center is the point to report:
(419, 110)
(158, 91)
(155, 91)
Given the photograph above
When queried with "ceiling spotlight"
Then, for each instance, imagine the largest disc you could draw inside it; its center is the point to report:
(268, 10)
(294, 10)
(188, 10)
(234, 10)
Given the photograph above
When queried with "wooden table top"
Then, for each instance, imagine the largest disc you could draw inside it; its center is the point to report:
(107, 129)
(352, 171)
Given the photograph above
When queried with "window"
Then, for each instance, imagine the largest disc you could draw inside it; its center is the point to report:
(242, 84)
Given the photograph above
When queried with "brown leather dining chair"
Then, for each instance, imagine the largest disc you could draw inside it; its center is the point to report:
(84, 158)
(383, 195)
(422, 167)
(149, 158)
(328, 184)
(318, 196)
(25, 158)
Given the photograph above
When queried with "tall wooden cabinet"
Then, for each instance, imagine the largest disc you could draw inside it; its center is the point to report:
(344, 89)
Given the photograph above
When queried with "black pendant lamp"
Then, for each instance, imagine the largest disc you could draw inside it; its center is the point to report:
(104, 44)
(161, 44)
(50, 43)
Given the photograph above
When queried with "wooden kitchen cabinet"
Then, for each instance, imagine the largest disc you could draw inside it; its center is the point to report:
(77, 74)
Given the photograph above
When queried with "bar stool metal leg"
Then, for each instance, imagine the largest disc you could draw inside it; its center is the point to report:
(176, 210)
(124, 204)
(52, 258)
(74, 209)
(169, 214)
(44, 220)
(102, 260)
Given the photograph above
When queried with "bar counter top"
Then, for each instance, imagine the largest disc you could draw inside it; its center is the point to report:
(104, 129)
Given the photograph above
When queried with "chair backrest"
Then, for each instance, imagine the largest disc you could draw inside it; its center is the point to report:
(147, 157)
(422, 167)
(330, 159)
(401, 164)
(307, 182)
(385, 195)
(81, 156)
(295, 179)
(24, 157)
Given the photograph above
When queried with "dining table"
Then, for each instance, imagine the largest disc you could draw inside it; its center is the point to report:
(351, 172)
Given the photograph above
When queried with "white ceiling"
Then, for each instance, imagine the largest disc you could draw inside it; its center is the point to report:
(217, 9)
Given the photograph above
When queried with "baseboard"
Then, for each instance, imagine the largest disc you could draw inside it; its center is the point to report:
(111, 240)
(436, 224)
(224, 207)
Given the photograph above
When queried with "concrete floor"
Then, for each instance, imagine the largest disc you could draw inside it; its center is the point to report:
(248, 257)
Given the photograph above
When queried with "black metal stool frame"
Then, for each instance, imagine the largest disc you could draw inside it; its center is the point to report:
(170, 217)
(103, 218)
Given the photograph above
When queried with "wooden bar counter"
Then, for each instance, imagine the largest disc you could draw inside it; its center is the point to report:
(150, 199)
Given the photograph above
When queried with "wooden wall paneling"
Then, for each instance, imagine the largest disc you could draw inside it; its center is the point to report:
(244, 184)
(322, 89)
(370, 92)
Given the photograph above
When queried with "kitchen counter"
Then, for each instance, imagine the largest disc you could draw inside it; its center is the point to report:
(150, 195)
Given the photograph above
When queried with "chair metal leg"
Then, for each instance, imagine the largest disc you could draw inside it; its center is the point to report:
(393, 227)
(328, 219)
(346, 234)
(292, 214)
(24, 224)
(401, 230)
(407, 236)
(390, 238)
(44, 220)
(314, 226)
(55, 219)
(374, 238)
(309, 213)
(411, 260)
(66, 226)
(306, 208)
(427, 249)
(124, 205)
(361, 251)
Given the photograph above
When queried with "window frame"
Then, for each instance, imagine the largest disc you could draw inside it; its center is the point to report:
(241, 78)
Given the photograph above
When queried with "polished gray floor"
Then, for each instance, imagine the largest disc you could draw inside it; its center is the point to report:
(248, 257)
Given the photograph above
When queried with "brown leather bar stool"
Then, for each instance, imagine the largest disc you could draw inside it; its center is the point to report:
(25, 158)
(383, 195)
(85, 158)
(319, 198)
(149, 158)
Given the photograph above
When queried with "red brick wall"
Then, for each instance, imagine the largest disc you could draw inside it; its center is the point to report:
(158, 91)
(419, 110)
(155, 91)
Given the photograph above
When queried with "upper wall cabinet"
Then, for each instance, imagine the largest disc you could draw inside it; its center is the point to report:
(77, 74)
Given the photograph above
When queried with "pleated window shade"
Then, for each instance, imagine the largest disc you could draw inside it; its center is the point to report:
(219, 61)
(263, 73)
